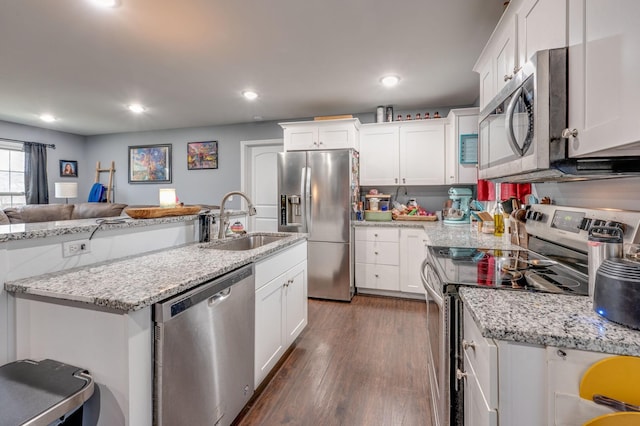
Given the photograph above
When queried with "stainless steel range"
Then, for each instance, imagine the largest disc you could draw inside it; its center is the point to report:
(556, 262)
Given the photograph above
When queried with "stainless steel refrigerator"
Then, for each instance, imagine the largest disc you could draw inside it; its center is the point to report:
(318, 192)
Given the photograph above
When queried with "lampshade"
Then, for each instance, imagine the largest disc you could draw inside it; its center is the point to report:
(66, 189)
(167, 197)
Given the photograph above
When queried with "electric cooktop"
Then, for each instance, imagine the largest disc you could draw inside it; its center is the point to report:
(507, 269)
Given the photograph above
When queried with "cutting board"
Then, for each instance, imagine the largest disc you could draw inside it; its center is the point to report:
(155, 212)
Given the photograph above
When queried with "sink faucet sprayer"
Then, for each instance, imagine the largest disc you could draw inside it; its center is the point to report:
(225, 220)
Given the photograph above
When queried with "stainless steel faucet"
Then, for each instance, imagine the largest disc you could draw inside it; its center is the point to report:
(224, 220)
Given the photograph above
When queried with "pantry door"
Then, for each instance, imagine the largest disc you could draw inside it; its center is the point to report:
(260, 182)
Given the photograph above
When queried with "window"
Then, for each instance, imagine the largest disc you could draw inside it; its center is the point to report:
(11, 175)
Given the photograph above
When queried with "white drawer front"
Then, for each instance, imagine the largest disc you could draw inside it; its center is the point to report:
(380, 253)
(380, 277)
(476, 410)
(377, 234)
(272, 266)
(482, 353)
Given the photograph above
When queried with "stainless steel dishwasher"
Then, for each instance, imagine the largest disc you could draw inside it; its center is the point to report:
(204, 351)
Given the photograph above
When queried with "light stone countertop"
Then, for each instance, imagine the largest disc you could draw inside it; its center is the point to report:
(547, 319)
(26, 231)
(440, 234)
(132, 283)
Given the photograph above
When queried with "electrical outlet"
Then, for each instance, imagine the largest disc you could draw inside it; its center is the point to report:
(75, 248)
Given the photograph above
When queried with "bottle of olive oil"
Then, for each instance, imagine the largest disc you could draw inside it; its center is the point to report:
(498, 216)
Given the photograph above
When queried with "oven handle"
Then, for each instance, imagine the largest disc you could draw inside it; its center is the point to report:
(427, 286)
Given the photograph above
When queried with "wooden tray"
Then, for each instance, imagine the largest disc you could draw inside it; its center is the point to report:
(155, 212)
(416, 218)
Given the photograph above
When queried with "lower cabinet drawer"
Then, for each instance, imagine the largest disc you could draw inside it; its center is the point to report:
(376, 233)
(380, 253)
(482, 354)
(380, 277)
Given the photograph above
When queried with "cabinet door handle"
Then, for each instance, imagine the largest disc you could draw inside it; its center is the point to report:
(377, 276)
(569, 133)
(375, 235)
(375, 252)
(404, 180)
(396, 179)
(507, 77)
(460, 375)
(469, 344)
(516, 69)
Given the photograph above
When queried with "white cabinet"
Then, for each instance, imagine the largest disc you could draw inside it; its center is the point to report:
(463, 123)
(603, 84)
(525, 27)
(377, 258)
(499, 386)
(565, 370)
(281, 306)
(406, 153)
(542, 24)
(413, 250)
(379, 154)
(322, 134)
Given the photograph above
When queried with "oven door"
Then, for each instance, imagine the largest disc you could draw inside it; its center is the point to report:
(437, 344)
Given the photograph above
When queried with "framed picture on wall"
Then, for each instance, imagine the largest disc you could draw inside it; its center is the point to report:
(68, 168)
(150, 164)
(202, 155)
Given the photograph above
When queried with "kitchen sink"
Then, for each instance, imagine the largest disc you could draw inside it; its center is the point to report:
(247, 243)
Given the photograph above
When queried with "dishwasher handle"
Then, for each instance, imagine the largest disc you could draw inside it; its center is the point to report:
(220, 296)
(216, 289)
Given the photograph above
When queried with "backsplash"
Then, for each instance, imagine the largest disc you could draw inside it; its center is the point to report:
(621, 193)
(431, 198)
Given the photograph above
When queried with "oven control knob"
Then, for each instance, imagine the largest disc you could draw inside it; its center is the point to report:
(613, 224)
(598, 222)
(530, 214)
(537, 216)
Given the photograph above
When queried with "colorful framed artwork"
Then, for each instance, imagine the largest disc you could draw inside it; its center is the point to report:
(150, 164)
(202, 155)
(68, 168)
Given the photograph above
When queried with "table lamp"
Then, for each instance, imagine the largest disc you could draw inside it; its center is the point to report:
(168, 197)
(66, 190)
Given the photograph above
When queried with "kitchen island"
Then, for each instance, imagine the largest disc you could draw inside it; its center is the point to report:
(99, 316)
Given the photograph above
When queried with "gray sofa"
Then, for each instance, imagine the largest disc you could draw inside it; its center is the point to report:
(52, 212)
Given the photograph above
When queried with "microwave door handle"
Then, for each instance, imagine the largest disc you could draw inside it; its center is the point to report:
(519, 151)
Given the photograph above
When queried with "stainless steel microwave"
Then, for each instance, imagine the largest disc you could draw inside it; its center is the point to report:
(523, 130)
(518, 128)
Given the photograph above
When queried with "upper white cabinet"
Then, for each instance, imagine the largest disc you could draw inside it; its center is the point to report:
(525, 27)
(403, 153)
(461, 148)
(603, 77)
(321, 134)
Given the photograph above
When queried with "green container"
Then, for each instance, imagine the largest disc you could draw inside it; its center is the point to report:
(377, 216)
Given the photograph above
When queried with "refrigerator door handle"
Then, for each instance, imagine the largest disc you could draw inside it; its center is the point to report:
(303, 195)
(307, 192)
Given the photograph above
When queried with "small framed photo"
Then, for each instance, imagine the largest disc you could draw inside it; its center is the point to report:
(150, 164)
(202, 155)
(68, 168)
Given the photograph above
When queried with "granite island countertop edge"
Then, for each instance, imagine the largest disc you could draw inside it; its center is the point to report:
(135, 282)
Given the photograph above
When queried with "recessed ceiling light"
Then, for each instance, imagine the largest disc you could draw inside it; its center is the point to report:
(390, 80)
(47, 118)
(105, 3)
(250, 94)
(137, 108)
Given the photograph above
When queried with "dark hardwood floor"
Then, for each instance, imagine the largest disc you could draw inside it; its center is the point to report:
(358, 363)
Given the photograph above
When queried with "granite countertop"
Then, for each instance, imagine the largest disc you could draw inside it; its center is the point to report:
(132, 283)
(440, 234)
(547, 319)
(26, 231)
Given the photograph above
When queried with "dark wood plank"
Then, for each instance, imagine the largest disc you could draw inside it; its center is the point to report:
(358, 363)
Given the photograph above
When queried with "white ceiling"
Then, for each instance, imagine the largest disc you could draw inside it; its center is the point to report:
(189, 60)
